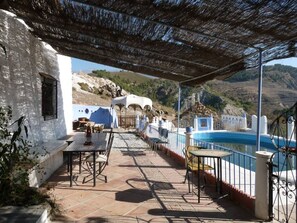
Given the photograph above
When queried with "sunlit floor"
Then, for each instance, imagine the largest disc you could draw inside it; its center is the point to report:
(143, 186)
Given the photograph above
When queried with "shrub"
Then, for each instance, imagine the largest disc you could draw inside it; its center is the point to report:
(97, 91)
(84, 86)
(15, 162)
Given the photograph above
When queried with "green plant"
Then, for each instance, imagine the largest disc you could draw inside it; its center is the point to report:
(84, 86)
(15, 162)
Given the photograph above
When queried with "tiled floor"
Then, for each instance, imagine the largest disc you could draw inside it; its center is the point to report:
(143, 186)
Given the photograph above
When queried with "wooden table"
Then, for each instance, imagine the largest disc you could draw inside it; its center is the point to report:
(76, 144)
(210, 153)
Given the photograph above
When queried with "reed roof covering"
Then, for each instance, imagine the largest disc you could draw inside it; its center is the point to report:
(188, 41)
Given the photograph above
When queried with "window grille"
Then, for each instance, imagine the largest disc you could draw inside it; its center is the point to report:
(49, 97)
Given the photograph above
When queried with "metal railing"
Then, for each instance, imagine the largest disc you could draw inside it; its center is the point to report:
(238, 169)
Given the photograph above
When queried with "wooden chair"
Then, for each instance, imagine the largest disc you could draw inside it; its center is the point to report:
(101, 159)
(192, 164)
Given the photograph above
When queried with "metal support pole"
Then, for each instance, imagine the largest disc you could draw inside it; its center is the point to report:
(178, 115)
(110, 116)
(259, 99)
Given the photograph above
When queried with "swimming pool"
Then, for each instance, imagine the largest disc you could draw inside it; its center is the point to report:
(240, 141)
(243, 143)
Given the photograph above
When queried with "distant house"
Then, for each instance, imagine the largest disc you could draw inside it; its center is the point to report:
(34, 80)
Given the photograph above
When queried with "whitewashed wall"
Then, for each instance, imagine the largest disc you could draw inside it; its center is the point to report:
(66, 90)
(263, 124)
(23, 58)
(231, 122)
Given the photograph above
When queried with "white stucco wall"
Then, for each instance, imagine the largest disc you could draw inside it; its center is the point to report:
(66, 89)
(21, 63)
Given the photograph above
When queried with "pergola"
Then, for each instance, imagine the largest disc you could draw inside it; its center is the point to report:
(188, 41)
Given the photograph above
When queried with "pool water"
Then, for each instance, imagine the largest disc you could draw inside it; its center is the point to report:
(246, 148)
(239, 141)
(242, 142)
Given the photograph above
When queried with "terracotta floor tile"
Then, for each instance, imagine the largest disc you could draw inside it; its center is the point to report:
(100, 201)
(127, 195)
(79, 211)
(120, 208)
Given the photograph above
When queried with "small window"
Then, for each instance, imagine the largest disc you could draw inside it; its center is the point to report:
(203, 122)
(49, 97)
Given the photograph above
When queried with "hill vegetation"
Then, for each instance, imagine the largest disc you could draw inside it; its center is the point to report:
(159, 90)
(279, 89)
(285, 75)
(234, 95)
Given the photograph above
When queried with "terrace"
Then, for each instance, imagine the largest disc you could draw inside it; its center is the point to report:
(143, 186)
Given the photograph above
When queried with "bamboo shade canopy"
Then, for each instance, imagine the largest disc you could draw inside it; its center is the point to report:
(188, 41)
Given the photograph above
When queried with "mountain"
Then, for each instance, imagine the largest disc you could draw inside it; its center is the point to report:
(279, 89)
(233, 96)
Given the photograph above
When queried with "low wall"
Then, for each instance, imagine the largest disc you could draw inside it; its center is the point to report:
(50, 159)
(31, 214)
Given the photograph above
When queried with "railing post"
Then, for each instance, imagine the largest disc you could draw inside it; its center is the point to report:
(195, 124)
(262, 185)
(138, 123)
(188, 141)
(290, 128)
(211, 122)
(160, 126)
(270, 201)
(189, 134)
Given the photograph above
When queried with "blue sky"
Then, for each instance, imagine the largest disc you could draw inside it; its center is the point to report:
(290, 62)
(86, 66)
(82, 65)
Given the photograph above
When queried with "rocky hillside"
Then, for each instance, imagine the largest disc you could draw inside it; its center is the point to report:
(105, 88)
(233, 96)
(92, 90)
